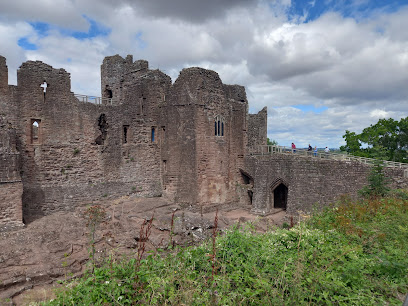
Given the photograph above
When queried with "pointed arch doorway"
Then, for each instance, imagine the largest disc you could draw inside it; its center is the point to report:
(278, 195)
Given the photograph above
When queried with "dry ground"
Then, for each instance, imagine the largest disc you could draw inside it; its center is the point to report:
(56, 247)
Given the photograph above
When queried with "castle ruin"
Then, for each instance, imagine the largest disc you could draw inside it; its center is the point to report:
(188, 141)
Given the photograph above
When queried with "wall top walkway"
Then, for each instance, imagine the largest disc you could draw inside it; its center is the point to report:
(93, 99)
(269, 150)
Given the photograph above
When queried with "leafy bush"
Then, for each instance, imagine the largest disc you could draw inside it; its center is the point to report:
(353, 253)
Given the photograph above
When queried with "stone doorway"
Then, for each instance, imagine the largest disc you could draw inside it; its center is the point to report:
(278, 197)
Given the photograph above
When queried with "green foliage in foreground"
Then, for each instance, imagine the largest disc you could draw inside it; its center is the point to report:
(352, 254)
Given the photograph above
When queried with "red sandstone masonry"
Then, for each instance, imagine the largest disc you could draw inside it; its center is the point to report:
(154, 138)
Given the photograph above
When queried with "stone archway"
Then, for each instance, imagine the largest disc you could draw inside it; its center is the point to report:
(278, 195)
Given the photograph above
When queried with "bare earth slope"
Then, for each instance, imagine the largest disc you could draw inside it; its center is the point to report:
(57, 246)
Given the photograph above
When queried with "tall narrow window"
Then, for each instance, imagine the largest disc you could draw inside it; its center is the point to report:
(125, 133)
(219, 126)
(35, 130)
(153, 134)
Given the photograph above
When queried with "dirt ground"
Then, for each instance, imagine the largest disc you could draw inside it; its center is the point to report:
(56, 247)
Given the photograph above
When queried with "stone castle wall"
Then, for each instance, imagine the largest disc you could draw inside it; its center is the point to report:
(257, 128)
(311, 182)
(11, 187)
(187, 141)
(154, 139)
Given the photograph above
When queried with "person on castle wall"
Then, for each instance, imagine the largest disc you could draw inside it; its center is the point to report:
(327, 151)
(315, 151)
(293, 148)
(309, 149)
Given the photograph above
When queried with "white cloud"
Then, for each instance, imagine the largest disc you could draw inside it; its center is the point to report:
(355, 68)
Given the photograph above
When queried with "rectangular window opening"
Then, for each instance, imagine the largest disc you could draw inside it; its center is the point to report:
(153, 134)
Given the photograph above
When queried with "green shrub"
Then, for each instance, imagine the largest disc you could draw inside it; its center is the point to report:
(354, 253)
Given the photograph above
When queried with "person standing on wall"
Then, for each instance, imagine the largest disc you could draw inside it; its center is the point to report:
(293, 148)
(315, 151)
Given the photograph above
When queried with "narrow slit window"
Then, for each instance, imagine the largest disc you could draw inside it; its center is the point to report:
(215, 128)
(222, 128)
(163, 133)
(153, 134)
(125, 133)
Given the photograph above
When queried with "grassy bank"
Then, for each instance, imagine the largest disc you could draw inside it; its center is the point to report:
(354, 253)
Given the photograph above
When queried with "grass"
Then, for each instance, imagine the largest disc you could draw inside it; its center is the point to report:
(354, 253)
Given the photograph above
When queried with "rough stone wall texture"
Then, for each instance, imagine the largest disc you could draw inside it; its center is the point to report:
(82, 152)
(202, 166)
(310, 181)
(187, 141)
(11, 187)
(257, 128)
(3, 75)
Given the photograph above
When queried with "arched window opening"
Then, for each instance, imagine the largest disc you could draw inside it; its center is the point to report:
(153, 134)
(219, 126)
(35, 130)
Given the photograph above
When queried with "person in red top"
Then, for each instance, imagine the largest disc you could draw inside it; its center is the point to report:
(293, 148)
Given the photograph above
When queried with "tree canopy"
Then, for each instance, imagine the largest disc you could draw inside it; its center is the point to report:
(387, 139)
(271, 143)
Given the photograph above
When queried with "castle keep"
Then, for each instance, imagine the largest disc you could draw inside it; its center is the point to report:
(188, 141)
(185, 141)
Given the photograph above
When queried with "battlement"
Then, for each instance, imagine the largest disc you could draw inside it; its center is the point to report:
(3, 75)
(32, 74)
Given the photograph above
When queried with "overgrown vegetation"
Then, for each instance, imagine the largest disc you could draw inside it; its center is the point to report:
(377, 182)
(354, 253)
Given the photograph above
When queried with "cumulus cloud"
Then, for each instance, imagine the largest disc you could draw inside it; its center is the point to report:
(194, 11)
(60, 12)
(353, 66)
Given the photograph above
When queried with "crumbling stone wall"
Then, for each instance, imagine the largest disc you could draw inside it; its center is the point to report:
(311, 182)
(187, 141)
(11, 187)
(205, 143)
(81, 152)
(257, 128)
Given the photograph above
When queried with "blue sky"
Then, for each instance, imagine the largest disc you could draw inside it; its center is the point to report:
(313, 9)
(320, 67)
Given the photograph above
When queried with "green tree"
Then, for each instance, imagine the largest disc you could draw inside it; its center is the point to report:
(377, 182)
(387, 135)
(271, 143)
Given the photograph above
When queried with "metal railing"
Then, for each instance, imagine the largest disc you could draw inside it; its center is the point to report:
(93, 99)
(269, 150)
